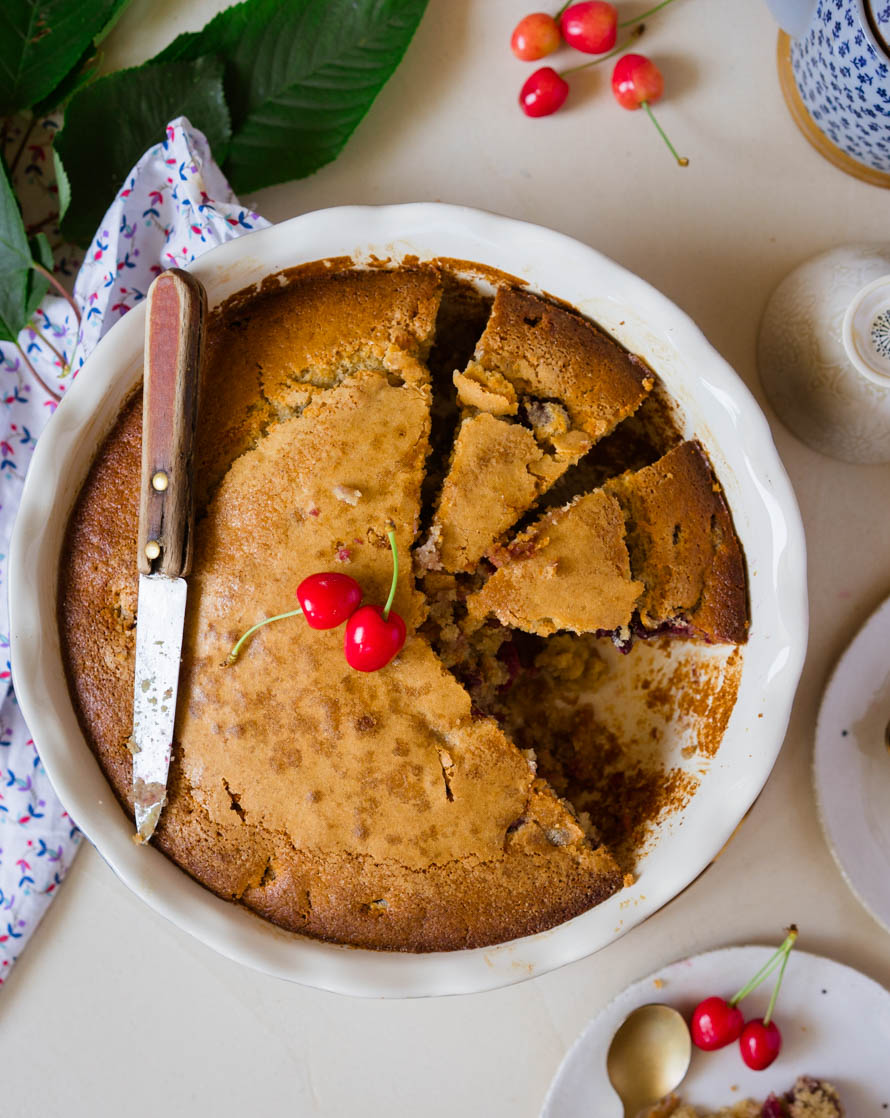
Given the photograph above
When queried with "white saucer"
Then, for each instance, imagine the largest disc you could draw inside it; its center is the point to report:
(835, 1026)
(851, 765)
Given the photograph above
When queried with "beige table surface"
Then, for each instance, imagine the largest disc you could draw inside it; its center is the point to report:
(113, 1011)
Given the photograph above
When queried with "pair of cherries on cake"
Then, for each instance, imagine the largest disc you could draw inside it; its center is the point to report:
(374, 634)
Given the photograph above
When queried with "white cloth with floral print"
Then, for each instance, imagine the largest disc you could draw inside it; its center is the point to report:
(174, 205)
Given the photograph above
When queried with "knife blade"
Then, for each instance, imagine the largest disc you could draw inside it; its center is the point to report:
(174, 343)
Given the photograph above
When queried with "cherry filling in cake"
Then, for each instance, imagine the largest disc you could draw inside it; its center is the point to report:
(482, 785)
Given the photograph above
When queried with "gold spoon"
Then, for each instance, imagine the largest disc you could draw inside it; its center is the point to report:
(649, 1056)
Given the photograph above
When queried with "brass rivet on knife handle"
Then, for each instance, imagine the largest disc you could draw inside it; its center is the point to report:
(174, 345)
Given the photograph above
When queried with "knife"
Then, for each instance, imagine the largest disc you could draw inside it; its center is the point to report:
(174, 343)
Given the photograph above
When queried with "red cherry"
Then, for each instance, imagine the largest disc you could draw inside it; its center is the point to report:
(636, 80)
(760, 1043)
(636, 83)
(591, 26)
(371, 639)
(543, 93)
(534, 36)
(328, 599)
(715, 1023)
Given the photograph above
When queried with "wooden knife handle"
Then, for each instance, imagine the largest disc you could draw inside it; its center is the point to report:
(174, 345)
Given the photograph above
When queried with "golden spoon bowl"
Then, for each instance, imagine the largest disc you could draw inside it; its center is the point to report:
(649, 1056)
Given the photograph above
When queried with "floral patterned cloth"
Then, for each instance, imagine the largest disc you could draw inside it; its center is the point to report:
(174, 205)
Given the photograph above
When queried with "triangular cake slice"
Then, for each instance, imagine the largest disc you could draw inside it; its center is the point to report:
(569, 571)
(389, 813)
(684, 547)
(544, 385)
(654, 548)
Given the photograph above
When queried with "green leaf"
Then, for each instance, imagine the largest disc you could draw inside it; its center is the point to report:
(63, 183)
(42, 40)
(15, 264)
(84, 71)
(299, 77)
(110, 123)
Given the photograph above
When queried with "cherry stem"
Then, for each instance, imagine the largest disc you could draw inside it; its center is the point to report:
(391, 536)
(681, 159)
(563, 8)
(635, 34)
(233, 655)
(645, 15)
(772, 1001)
(780, 955)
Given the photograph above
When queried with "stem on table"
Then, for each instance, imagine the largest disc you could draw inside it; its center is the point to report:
(681, 159)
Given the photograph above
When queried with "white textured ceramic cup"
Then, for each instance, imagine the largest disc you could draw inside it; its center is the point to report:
(717, 408)
(822, 354)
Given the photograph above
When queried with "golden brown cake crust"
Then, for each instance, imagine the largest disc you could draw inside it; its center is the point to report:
(374, 809)
(683, 546)
(505, 469)
(533, 348)
(570, 571)
(381, 809)
(566, 380)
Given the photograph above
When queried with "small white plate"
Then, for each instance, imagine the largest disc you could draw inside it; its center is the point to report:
(851, 765)
(835, 1025)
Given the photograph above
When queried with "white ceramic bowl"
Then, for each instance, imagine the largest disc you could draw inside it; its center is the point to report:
(718, 408)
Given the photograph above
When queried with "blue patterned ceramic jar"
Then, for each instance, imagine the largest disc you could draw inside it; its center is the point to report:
(840, 65)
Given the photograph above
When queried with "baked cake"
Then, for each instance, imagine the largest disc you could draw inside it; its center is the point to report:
(683, 546)
(808, 1098)
(388, 809)
(543, 386)
(571, 569)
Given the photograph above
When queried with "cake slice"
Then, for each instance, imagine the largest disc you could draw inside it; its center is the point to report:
(506, 468)
(683, 547)
(658, 541)
(569, 571)
(549, 384)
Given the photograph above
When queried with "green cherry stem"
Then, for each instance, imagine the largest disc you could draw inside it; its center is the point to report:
(233, 655)
(767, 1017)
(635, 34)
(561, 10)
(391, 536)
(645, 15)
(681, 159)
(779, 956)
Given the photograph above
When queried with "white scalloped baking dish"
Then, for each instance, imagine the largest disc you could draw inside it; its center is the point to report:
(717, 407)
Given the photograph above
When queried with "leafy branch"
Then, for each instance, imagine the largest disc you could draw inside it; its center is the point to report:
(277, 86)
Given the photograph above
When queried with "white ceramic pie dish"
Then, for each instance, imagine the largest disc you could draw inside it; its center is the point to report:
(719, 410)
